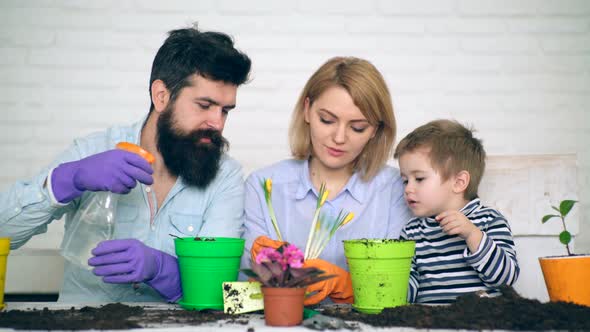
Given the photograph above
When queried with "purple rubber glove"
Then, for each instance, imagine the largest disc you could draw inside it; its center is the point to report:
(129, 261)
(115, 170)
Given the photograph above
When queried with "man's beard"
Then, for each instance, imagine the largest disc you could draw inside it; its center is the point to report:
(185, 155)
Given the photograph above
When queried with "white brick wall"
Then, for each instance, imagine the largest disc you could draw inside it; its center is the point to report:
(519, 71)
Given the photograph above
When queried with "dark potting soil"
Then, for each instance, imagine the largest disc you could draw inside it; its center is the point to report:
(507, 312)
(207, 239)
(114, 316)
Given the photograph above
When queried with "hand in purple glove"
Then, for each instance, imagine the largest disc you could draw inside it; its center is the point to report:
(129, 260)
(115, 170)
(125, 261)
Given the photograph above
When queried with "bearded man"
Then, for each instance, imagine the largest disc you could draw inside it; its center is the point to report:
(192, 188)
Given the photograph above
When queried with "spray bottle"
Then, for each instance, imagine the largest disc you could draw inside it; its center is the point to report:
(94, 220)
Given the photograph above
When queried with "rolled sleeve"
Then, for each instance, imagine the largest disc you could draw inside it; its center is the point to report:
(49, 189)
(26, 210)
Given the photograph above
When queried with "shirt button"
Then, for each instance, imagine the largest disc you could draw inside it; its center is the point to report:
(153, 228)
(17, 210)
(190, 228)
(148, 189)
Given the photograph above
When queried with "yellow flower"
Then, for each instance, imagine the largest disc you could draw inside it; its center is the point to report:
(267, 187)
(324, 197)
(348, 218)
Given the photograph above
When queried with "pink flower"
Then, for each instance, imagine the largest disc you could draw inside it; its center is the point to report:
(293, 256)
(268, 255)
(283, 267)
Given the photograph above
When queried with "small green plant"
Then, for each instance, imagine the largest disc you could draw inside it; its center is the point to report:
(565, 207)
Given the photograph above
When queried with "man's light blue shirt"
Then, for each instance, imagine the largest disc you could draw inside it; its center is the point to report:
(27, 208)
(378, 205)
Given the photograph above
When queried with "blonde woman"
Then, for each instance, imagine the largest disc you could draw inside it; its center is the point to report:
(342, 134)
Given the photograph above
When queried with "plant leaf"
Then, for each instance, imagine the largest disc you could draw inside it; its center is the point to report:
(303, 277)
(556, 209)
(298, 272)
(275, 269)
(565, 237)
(263, 273)
(311, 281)
(549, 216)
(566, 206)
(250, 273)
(305, 281)
(301, 274)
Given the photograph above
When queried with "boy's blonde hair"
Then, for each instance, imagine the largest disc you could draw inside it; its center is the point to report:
(368, 90)
(452, 148)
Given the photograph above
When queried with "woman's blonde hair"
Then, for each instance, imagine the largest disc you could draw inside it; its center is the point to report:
(368, 90)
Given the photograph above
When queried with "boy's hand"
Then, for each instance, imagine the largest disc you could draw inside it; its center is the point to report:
(456, 223)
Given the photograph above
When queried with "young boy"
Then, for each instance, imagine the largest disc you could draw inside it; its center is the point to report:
(461, 245)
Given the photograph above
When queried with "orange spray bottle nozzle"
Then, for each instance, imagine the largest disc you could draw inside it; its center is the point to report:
(136, 149)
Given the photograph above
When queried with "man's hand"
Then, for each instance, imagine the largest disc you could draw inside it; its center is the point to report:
(125, 261)
(116, 171)
(456, 223)
(129, 261)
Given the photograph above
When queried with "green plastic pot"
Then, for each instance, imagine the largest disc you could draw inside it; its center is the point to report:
(205, 264)
(380, 272)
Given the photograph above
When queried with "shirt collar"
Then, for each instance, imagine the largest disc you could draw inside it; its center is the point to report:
(355, 186)
(137, 127)
(304, 182)
(471, 206)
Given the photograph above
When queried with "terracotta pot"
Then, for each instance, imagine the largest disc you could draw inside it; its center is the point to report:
(567, 278)
(283, 306)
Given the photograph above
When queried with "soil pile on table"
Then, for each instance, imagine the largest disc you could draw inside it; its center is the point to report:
(507, 312)
(114, 316)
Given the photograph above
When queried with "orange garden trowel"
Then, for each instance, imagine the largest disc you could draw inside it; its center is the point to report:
(242, 296)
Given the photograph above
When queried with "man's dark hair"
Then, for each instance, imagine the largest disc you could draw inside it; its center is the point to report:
(190, 51)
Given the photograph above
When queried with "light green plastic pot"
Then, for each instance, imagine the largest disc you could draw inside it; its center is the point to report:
(380, 272)
(205, 265)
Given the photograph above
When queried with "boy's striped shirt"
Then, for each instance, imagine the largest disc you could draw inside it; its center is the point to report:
(444, 268)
